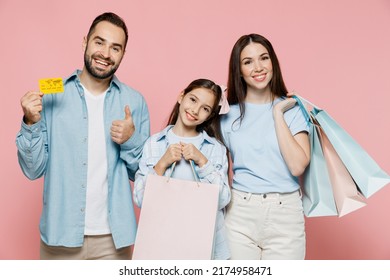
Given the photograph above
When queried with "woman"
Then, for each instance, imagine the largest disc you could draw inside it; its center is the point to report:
(267, 138)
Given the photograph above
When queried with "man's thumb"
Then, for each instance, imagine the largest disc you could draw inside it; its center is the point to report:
(127, 112)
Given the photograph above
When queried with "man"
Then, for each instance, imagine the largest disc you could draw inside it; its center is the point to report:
(87, 142)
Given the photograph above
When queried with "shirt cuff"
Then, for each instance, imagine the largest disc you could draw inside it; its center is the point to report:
(131, 142)
(31, 131)
(205, 170)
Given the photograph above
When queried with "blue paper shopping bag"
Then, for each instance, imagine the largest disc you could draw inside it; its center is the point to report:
(333, 185)
(366, 173)
(317, 189)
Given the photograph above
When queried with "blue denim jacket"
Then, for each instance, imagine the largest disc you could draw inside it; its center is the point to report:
(215, 171)
(57, 148)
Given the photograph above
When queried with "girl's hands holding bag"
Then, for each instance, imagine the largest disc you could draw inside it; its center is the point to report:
(172, 154)
(190, 152)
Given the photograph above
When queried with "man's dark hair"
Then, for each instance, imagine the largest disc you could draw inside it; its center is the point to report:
(112, 18)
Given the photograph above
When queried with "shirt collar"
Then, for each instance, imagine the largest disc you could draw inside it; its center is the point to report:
(163, 135)
(75, 77)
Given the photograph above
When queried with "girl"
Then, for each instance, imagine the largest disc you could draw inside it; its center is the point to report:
(267, 138)
(193, 133)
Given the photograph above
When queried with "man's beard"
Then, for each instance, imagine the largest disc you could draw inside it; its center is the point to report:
(98, 74)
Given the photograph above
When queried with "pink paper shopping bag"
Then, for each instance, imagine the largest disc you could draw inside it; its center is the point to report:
(177, 220)
(346, 194)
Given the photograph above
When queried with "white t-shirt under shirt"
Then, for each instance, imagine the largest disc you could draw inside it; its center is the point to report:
(183, 168)
(258, 165)
(96, 212)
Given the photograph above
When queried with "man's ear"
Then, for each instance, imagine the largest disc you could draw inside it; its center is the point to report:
(84, 44)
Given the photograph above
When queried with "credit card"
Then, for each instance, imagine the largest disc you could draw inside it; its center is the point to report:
(51, 85)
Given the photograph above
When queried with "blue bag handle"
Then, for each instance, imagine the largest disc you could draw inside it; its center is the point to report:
(308, 115)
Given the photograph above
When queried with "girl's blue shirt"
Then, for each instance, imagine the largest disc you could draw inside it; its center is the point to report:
(215, 171)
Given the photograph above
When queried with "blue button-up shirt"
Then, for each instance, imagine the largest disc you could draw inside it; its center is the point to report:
(57, 147)
(215, 171)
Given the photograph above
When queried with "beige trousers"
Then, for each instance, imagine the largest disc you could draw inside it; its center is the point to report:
(95, 247)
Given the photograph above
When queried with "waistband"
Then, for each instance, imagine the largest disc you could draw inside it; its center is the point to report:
(266, 196)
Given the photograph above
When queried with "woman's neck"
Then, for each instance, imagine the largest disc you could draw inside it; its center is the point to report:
(258, 96)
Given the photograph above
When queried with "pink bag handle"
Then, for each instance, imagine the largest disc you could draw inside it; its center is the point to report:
(196, 177)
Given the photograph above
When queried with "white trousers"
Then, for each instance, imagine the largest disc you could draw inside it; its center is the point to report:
(266, 226)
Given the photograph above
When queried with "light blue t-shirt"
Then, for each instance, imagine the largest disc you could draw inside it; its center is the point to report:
(258, 165)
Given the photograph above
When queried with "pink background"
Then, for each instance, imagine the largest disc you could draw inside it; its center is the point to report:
(334, 53)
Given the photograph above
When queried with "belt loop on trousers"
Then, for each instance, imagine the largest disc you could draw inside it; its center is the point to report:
(247, 196)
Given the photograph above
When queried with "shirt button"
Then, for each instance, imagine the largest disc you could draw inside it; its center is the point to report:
(264, 195)
(82, 210)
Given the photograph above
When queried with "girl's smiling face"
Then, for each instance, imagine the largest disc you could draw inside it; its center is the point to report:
(195, 107)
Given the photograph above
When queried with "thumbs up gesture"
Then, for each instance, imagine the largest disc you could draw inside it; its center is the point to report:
(122, 130)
